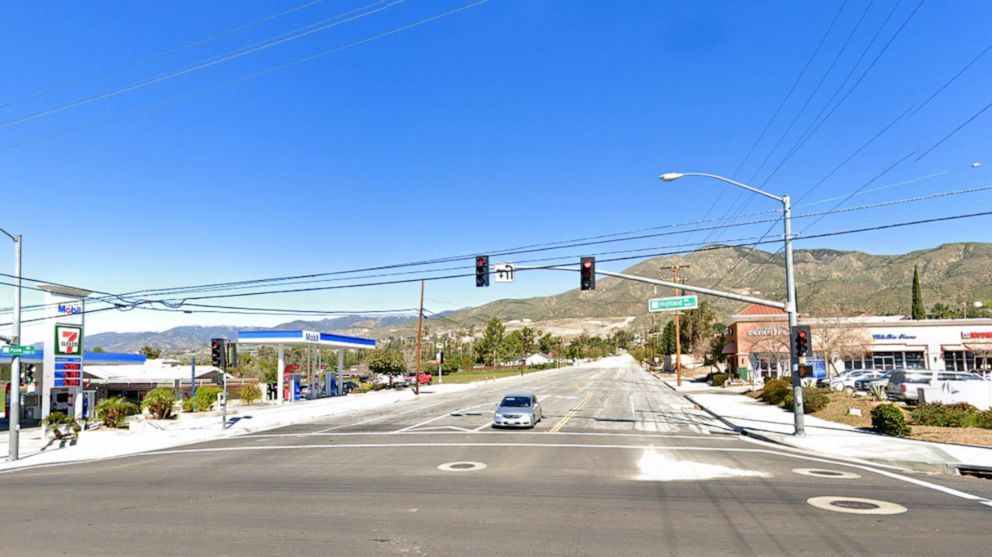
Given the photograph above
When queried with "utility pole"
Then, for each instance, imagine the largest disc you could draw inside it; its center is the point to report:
(14, 419)
(678, 334)
(420, 323)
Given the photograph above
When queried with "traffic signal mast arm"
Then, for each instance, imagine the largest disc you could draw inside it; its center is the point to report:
(659, 282)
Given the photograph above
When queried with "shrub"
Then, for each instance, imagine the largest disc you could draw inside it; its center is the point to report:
(889, 420)
(718, 379)
(159, 403)
(814, 400)
(113, 411)
(876, 392)
(984, 419)
(203, 401)
(945, 415)
(61, 424)
(250, 394)
(775, 391)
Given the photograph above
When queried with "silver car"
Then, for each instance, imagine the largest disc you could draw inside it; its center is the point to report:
(517, 410)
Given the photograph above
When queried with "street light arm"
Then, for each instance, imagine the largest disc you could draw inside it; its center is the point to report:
(9, 235)
(668, 177)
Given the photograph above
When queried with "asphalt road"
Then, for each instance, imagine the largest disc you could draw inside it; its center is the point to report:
(619, 466)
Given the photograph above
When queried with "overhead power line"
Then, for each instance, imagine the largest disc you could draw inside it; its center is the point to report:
(130, 65)
(346, 17)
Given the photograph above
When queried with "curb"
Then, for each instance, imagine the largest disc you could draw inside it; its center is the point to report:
(951, 468)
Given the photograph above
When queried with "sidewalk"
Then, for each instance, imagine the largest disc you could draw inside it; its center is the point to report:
(150, 435)
(771, 423)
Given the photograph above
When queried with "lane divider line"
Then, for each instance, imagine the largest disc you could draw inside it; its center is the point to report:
(571, 413)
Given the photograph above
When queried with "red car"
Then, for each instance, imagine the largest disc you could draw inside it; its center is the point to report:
(422, 378)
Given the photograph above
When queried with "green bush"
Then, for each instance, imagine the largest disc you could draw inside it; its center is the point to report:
(814, 400)
(113, 411)
(203, 401)
(984, 419)
(945, 415)
(775, 391)
(159, 403)
(718, 379)
(250, 393)
(889, 420)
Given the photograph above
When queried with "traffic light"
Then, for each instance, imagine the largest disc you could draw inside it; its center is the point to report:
(801, 339)
(29, 373)
(482, 270)
(587, 273)
(217, 352)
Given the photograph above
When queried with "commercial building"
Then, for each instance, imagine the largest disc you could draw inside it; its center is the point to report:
(757, 341)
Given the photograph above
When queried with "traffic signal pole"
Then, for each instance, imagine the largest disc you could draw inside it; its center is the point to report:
(420, 322)
(790, 285)
(14, 418)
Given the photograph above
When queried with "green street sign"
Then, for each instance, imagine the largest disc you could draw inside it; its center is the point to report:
(16, 350)
(674, 303)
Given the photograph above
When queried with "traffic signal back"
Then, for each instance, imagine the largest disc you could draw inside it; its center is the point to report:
(218, 356)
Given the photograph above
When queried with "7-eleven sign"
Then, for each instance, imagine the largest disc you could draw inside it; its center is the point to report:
(68, 340)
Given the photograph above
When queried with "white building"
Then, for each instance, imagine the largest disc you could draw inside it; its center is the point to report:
(538, 358)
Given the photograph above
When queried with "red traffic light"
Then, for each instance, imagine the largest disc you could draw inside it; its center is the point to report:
(802, 334)
(587, 263)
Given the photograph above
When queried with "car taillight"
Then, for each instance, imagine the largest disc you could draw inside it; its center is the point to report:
(903, 388)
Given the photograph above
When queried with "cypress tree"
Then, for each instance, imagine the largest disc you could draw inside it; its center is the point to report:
(919, 311)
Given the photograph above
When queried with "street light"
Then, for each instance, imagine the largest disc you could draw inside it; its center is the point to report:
(14, 418)
(790, 284)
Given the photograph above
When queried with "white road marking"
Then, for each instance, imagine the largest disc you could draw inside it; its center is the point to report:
(441, 417)
(900, 477)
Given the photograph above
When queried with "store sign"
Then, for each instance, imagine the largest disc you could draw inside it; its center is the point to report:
(68, 340)
(309, 336)
(893, 337)
(69, 309)
(768, 332)
(982, 334)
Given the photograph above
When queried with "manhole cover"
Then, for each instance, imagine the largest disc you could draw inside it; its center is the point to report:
(856, 505)
(823, 473)
(845, 504)
(461, 466)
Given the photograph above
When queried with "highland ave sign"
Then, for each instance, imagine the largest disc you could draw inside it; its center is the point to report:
(673, 304)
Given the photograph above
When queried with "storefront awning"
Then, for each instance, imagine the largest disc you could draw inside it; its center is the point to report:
(730, 348)
(953, 347)
(983, 347)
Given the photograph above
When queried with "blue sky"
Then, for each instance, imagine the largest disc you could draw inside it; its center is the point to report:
(506, 124)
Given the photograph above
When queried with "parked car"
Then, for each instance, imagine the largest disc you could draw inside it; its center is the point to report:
(845, 380)
(348, 386)
(905, 384)
(423, 378)
(866, 382)
(517, 410)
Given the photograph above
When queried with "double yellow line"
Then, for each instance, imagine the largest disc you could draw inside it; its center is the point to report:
(571, 413)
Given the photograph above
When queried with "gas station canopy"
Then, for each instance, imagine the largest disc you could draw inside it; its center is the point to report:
(310, 339)
(300, 337)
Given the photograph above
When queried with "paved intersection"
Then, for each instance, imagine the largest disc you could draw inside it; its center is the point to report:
(620, 466)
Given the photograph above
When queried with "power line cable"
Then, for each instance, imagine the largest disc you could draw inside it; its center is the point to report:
(551, 267)
(130, 65)
(349, 16)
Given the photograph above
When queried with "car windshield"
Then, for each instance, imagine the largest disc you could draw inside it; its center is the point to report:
(516, 402)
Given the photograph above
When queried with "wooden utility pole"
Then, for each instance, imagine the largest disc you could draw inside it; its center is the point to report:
(678, 334)
(420, 323)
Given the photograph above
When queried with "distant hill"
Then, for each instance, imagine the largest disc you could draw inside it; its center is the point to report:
(829, 282)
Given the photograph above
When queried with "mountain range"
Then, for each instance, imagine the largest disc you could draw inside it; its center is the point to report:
(829, 282)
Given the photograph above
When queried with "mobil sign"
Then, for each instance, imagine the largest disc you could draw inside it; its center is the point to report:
(68, 340)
